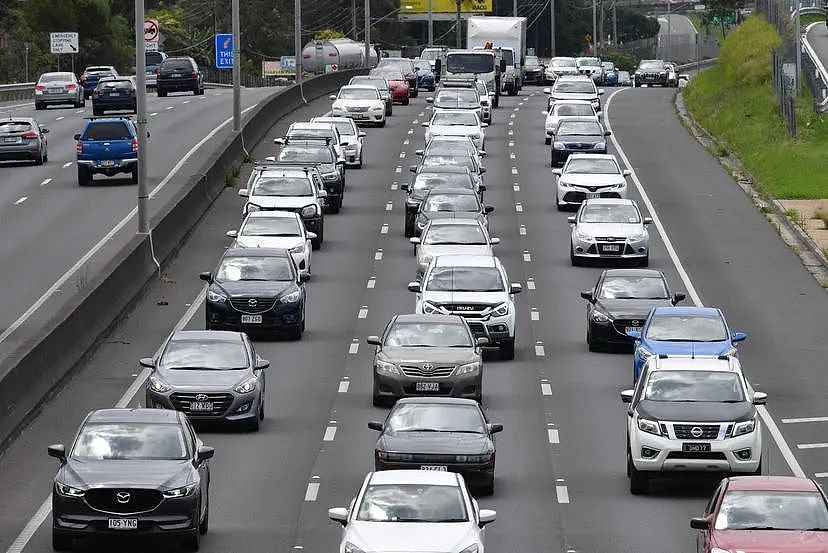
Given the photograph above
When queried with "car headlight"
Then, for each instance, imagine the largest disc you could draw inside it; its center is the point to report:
(215, 297)
(69, 491)
(421, 224)
(378, 108)
(745, 427)
(471, 549)
(638, 235)
(501, 310)
(601, 145)
(399, 456)
(430, 309)
(731, 351)
(183, 491)
(331, 176)
(651, 427)
(250, 208)
(158, 385)
(309, 211)
(351, 548)
(468, 368)
(386, 367)
(643, 352)
(558, 145)
(298, 249)
(293, 297)
(583, 235)
(246, 386)
(599, 317)
(485, 458)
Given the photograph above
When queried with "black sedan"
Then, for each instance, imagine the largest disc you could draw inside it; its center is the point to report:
(255, 290)
(576, 136)
(620, 302)
(434, 178)
(22, 138)
(443, 434)
(131, 472)
(447, 203)
(114, 94)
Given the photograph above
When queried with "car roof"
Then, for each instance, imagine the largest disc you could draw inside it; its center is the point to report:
(608, 201)
(577, 102)
(284, 171)
(437, 401)
(113, 119)
(457, 191)
(256, 252)
(623, 272)
(707, 363)
(133, 415)
(452, 260)
(322, 125)
(771, 483)
(358, 86)
(685, 311)
(334, 119)
(207, 336)
(453, 111)
(432, 477)
(414, 318)
(273, 214)
(563, 78)
(592, 156)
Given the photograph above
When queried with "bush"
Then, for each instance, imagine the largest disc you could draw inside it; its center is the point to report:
(622, 60)
(745, 56)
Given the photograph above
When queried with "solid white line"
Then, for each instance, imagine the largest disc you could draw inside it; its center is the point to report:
(21, 200)
(539, 350)
(371, 283)
(330, 434)
(562, 493)
(378, 255)
(770, 424)
(812, 446)
(102, 242)
(554, 438)
(45, 182)
(343, 386)
(31, 527)
(312, 492)
(67, 164)
(805, 419)
(353, 349)
(546, 388)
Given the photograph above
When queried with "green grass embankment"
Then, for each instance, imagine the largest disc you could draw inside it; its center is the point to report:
(735, 102)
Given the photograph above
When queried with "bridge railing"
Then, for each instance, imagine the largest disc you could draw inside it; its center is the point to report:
(813, 71)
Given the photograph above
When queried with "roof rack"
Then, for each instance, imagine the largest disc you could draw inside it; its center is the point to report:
(127, 117)
(307, 138)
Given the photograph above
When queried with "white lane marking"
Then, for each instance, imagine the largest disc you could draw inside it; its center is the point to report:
(514, 170)
(46, 182)
(554, 438)
(805, 419)
(169, 107)
(511, 123)
(185, 102)
(79, 111)
(527, 257)
(389, 206)
(371, 283)
(415, 122)
(21, 200)
(821, 475)
(812, 446)
(563, 494)
(402, 155)
(539, 349)
(421, 114)
(511, 156)
(67, 164)
(770, 424)
(530, 284)
(31, 527)
(516, 187)
(406, 142)
(330, 434)
(378, 255)
(511, 132)
(384, 228)
(522, 230)
(516, 109)
(61, 118)
(519, 207)
(363, 312)
(410, 131)
(312, 491)
(394, 186)
(546, 389)
(534, 314)
(398, 169)
(153, 114)
(511, 116)
(511, 144)
(343, 386)
(353, 349)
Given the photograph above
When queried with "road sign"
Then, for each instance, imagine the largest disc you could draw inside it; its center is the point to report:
(588, 37)
(288, 63)
(151, 46)
(151, 32)
(224, 51)
(330, 68)
(64, 43)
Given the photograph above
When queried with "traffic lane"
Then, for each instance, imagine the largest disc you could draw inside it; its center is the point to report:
(525, 485)
(66, 220)
(818, 39)
(735, 258)
(682, 38)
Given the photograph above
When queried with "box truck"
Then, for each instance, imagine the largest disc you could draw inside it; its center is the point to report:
(506, 34)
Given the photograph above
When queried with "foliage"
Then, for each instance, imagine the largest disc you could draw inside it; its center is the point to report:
(622, 60)
(328, 34)
(634, 25)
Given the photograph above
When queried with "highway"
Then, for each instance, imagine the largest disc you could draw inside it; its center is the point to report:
(818, 39)
(561, 481)
(682, 38)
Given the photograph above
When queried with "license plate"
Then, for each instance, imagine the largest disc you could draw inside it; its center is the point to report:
(55, 90)
(123, 523)
(592, 195)
(696, 447)
(611, 248)
(438, 468)
(201, 406)
(427, 386)
(114, 93)
(175, 76)
(358, 116)
(107, 163)
(251, 319)
(632, 329)
(11, 139)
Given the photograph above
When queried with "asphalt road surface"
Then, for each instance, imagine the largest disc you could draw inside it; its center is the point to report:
(561, 481)
(679, 42)
(818, 39)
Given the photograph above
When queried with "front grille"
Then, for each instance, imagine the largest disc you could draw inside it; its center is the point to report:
(466, 307)
(621, 325)
(253, 306)
(579, 145)
(123, 501)
(434, 372)
(358, 109)
(429, 458)
(574, 196)
(182, 401)
(478, 329)
(709, 455)
(684, 431)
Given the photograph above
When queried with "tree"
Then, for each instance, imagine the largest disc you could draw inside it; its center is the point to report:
(722, 9)
(328, 34)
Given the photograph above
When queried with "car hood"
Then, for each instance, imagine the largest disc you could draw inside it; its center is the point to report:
(410, 537)
(459, 443)
(455, 130)
(553, 120)
(574, 96)
(562, 70)
(630, 308)
(590, 68)
(203, 380)
(431, 215)
(128, 474)
(446, 356)
(610, 229)
(771, 541)
(283, 242)
(356, 103)
(254, 288)
(687, 348)
(707, 411)
(430, 251)
(592, 179)
(282, 202)
(586, 138)
(487, 298)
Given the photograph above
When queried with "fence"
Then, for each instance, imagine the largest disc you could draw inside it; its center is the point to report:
(783, 59)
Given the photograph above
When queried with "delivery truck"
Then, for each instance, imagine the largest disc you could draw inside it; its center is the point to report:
(506, 34)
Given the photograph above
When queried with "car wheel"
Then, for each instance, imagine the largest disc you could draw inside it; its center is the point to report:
(488, 488)
(592, 344)
(559, 205)
(359, 164)
(507, 349)
(46, 154)
(645, 261)
(193, 541)
(161, 93)
(262, 410)
(253, 424)
(40, 158)
(639, 482)
(135, 176)
(61, 542)
(204, 526)
(38, 106)
(547, 141)
(96, 112)
(84, 176)
(573, 258)
(758, 471)
(83, 102)
(381, 124)
(406, 101)
(320, 236)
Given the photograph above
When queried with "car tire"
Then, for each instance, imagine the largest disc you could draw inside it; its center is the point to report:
(645, 261)
(406, 101)
(381, 124)
(83, 102)
(252, 425)
(135, 176)
(639, 482)
(204, 525)
(758, 471)
(507, 349)
(573, 258)
(38, 106)
(161, 92)
(40, 158)
(559, 205)
(193, 541)
(60, 541)
(262, 410)
(592, 344)
(547, 141)
(378, 401)
(359, 164)
(46, 154)
(95, 111)
(84, 176)
(320, 236)
(337, 205)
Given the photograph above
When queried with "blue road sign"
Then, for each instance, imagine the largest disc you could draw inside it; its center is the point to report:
(289, 63)
(224, 51)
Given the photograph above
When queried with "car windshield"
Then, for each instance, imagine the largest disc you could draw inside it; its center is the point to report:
(378, 83)
(57, 78)
(508, 56)
(99, 69)
(451, 145)
(464, 235)
(772, 510)
(14, 126)
(580, 128)
(130, 441)
(470, 63)
(436, 160)
(574, 87)
(344, 126)
(701, 328)
(633, 287)
(358, 94)
(423, 65)
(458, 97)
(403, 65)
(412, 503)
(435, 335)
(608, 66)
(568, 62)
(587, 61)
(599, 166)
(306, 154)
(271, 226)
(428, 181)
(434, 417)
(119, 84)
(454, 119)
(651, 66)
(532, 61)
(218, 355)
(300, 132)
(609, 213)
(573, 110)
(703, 386)
(465, 279)
(430, 54)
(282, 186)
(234, 269)
(114, 130)
(390, 73)
(451, 202)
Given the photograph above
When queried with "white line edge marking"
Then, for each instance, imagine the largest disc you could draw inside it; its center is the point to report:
(330, 434)
(103, 241)
(770, 424)
(563, 494)
(805, 419)
(312, 491)
(812, 446)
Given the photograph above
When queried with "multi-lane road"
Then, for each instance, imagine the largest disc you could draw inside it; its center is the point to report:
(561, 481)
(676, 38)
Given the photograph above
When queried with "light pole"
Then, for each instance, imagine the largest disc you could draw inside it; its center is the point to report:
(26, 60)
(552, 27)
(459, 28)
(594, 27)
(669, 30)
(236, 68)
(514, 8)
(367, 33)
(141, 116)
(297, 44)
(430, 24)
(798, 46)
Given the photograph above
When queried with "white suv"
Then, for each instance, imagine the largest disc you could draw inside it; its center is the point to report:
(477, 288)
(692, 414)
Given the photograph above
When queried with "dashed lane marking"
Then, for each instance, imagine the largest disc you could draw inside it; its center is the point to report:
(519, 207)
(343, 386)
(371, 283)
(378, 255)
(534, 314)
(527, 257)
(805, 419)
(312, 492)
(516, 187)
(384, 229)
(389, 206)
(363, 312)
(530, 284)
(394, 186)
(552, 434)
(511, 144)
(546, 389)
(353, 349)
(540, 351)
(410, 131)
(511, 132)
(67, 164)
(170, 107)
(185, 102)
(563, 494)
(398, 169)
(61, 118)
(45, 182)
(522, 230)
(406, 142)
(330, 434)
(512, 156)
(821, 475)
(402, 155)
(153, 114)
(21, 200)
(812, 446)
(514, 170)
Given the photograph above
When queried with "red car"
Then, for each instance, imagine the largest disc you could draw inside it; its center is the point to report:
(782, 514)
(400, 91)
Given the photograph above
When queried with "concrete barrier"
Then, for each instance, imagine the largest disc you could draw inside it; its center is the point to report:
(45, 354)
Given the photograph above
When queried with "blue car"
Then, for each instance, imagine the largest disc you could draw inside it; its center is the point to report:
(425, 75)
(610, 73)
(683, 331)
(107, 146)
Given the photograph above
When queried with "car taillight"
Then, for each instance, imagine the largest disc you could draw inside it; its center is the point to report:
(84, 78)
(134, 144)
(195, 74)
(71, 86)
(79, 147)
(40, 87)
(30, 134)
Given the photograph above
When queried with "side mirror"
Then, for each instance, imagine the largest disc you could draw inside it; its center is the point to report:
(244, 192)
(482, 170)
(557, 171)
(482, 153)
(738, 337)
(44, 130)
(332, 97)
(492, 94)
(322, 193)
(626, 396)
(760, 398)
(404, 187)
(414, 240)
(648, 220)
(419, 152)
(304, 276)
(232, 234)
(486, 516)
(495, 241)
(312, 236)
(481, 187)
(571, 219)
(600, 92)
(488, 208)
(362, 134)
(278, 140)
(495, 428)
(77, 136)
(626, 172)
(426, 124)
(678, 297)
(607, 133)
(262, 364)
(483, 126)
(699, 523)
(205, 452)
(547, 90)
(375, 425)
(343, 143)
(429, 100)
(373, 340)
(148, 134)
(206, 276)
(634, 334)
(58, 451)
(147, 362)
(684, 77)
(270, 158)
(587, 295)
(338, 514)
(515, 288)
(412, 168)
(482, 341)
(414, 287)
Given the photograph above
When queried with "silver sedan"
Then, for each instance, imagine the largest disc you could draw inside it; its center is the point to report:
(609, 229)
(451, 236)
(59, 88)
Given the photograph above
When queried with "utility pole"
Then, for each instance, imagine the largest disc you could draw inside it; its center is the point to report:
(601, 16)
(353, 20)
(614, 24)
(430, 24)
(236, 67)
(297, 43)
(514, 8)
(367, 33)
(552, 27)
(459, 28)
(26, 60)
(669, 31)
(594, 27)
(798, 47)
(141, 116)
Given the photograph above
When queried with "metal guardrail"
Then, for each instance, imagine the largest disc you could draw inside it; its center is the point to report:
(815, 73)
(808, 10)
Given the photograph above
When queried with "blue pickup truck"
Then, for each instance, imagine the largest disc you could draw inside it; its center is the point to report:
(108, 146)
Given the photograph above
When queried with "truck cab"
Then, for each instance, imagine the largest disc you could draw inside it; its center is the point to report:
(484, 65)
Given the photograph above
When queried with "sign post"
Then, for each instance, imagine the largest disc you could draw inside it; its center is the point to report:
(141, 117)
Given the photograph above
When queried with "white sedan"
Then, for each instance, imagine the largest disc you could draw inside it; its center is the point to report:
(456, 122)
(417, 511)
(276, 229)
(586, 176)
(563, 110)
(363, 104)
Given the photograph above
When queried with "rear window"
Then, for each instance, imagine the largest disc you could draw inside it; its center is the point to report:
(99, 69)
(154, 58)
(114, 130)
(57, 77)
(14, 126)
(177, 64)
(125, 84)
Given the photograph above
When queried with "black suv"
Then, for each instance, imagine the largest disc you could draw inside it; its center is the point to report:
(650, 72)
(179, 74)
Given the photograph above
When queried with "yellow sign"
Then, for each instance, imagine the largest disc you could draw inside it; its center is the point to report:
(588, 37)
(445, 6)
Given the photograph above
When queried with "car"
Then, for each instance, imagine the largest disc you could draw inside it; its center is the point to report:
(558, 67)
(131, 471)
(58, 88)
(91, 75)
(108, 146)
(439, 178)
(381, 85)
(406, 67)
(457, 122)
(451, 144)
(179, 74)
(691, 413)
(23, 138)
(256, 290)
(426, 355)
(432, 54)
(153, 61)
(451, 203)
(457, 98)
(650, 72)
(439, 434)
(582, 136)
(587, 176)
(210, 376)
(451, 237)
(290, 188)
(418, 511)
(767, 513)
(361, 103)
(624, 78)
(477, 288)
(425, 75)
(114, 94)
(609, 229)
(485, 101)
(610, 74)
(591, 67)
(577, 87)
(619, 303)
(563, 110)
(397, 83)
(532, 70)
(301, 131)
(276, 229)
(319, 154)
(683, 330)
(351, 138)
(672, 75)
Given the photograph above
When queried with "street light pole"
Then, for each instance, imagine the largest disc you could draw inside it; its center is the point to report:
(459, 28)
(552, 26)
(368, 33)
(26, 47)
(669, 30)
(514, 8)
(798, 46)
(353, 20)
(141, 116)
(430, 24)
(297, 43)
(594, 27)
(236, 68)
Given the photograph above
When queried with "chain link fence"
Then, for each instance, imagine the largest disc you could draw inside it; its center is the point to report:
(249, 80)
(783, 59)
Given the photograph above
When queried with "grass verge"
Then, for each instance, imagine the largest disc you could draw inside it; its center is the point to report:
(734, 101)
